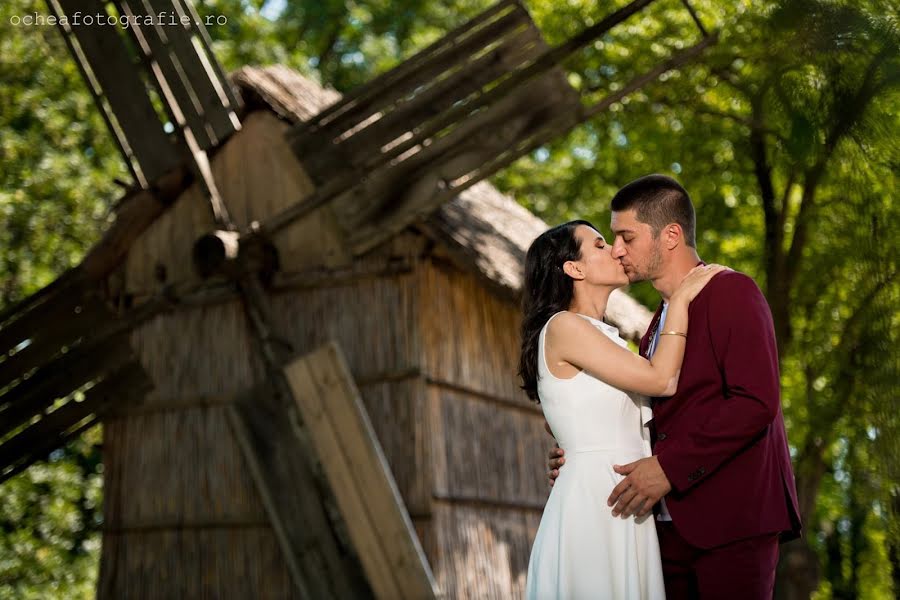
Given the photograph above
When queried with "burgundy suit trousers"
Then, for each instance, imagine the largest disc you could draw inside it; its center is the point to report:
(741, 570)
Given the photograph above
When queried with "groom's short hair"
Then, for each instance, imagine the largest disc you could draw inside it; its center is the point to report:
(659, 200)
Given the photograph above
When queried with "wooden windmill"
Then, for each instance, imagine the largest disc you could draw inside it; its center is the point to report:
(300, 332)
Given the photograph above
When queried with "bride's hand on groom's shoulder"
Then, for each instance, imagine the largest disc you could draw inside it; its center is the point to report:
(696, 279)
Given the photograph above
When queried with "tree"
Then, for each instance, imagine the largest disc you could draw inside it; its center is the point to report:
(786, 142)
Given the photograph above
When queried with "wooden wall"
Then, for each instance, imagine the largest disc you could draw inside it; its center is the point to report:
(487, 441)
(433, 352)
(258, 176)
(182, 516)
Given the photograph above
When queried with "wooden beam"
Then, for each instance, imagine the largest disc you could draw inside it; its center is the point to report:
(233, 99)
(106, 350)
(61, 300)
(373, 87)
(397, 197)
(52, 431)
(117, 134)
(543, 64)
(324, 142)
(411, 112)
(456, 52)
(164, 63)
(59, 378)
(56, 441)
(280, 464)
(275, 442)
(104, 54)
(377, 520)
(47, 337)
(12, 312)
(198, 75)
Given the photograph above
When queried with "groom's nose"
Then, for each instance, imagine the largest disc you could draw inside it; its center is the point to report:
(618, 249)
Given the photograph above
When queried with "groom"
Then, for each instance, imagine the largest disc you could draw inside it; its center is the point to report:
(720, 480)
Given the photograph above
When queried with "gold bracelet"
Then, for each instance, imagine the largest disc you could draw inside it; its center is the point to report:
(684, 335)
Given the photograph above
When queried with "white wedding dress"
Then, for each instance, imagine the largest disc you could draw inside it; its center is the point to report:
(581, 550)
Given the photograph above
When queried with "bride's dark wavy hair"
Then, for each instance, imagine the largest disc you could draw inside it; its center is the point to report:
(547, 290)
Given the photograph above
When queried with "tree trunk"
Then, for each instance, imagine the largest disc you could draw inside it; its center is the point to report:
(798, 569)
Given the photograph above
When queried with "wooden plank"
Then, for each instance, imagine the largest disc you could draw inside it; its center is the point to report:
(60, 300)
(106, 350)
(340, 477)
(195, 72)
(51, 431)
(108, 59)
(49, 336)
(309, 137)
(171, 82)
(410, 66)
(117, 133)
(358, 473)
(545, 66)
(29, 303)
(233, 99)
(458, 51)
(399, 196)
(57, 441)
(281, 466)
(472, 112)
(409, 113)
(59, 378)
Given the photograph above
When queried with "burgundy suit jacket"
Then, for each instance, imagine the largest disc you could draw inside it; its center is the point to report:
(721, 438)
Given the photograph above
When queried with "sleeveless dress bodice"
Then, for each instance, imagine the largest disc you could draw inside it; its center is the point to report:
(587, 414)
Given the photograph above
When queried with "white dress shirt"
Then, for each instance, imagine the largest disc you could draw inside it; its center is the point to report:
(663, 509)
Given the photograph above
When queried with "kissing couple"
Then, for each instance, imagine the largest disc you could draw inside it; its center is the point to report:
(671, 476)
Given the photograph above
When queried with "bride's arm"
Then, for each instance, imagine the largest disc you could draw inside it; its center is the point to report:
(574, 340)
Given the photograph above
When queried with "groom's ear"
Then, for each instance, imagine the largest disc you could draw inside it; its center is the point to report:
(672, 236)
(571, 269)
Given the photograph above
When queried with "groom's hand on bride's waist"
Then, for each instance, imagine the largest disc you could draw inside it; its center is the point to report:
(556, 456)
(645, 483)
(557, 459)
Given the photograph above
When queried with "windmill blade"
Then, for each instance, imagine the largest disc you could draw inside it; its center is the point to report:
(387, 156)
(124, 386)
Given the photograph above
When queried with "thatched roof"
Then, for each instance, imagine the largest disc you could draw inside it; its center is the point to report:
(485, 230)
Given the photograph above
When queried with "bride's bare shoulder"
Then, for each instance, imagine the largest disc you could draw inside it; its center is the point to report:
(568, 323)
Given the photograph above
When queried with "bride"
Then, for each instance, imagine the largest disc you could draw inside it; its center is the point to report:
(590, 386)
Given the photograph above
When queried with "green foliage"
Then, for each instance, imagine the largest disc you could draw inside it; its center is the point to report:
(56, 187)
(785, 133)
(58, 160)
(50, 542)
